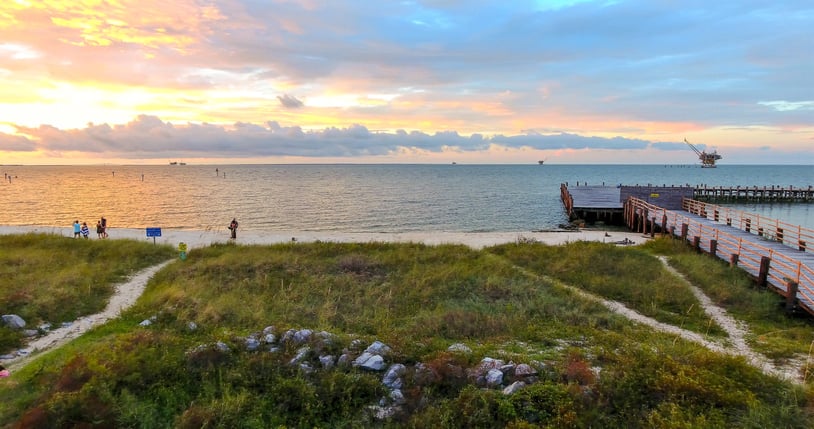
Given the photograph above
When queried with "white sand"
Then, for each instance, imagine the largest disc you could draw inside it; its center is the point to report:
(475, 240)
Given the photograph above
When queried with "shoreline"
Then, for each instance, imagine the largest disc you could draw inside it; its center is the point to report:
(477, 240)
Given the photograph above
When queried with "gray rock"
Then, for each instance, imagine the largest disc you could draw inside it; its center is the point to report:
(7, 357)
(494, 378)
(13, 321)
(302, 336)
(145, 322)
(288, 336)
(378, 348)
(192, 326)
(300, 356)
(30, 333)
(459, 347)
(252, 344)
(327, 361)
(221, 346)
(370, 362)
(514, 387)
(508, 369)
(269, 338)
(45, 327)
(65, 324)
(524, 370)
(269, 330)
(392, 378)
(344, 360)
(397, 397)
(274, 349)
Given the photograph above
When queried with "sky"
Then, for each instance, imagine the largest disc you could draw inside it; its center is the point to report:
(431, 81)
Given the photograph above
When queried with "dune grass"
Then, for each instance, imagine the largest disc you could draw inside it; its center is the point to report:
(46, 278)
(596, 369)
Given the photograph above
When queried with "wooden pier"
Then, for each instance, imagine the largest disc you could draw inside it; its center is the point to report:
(600, 203)
(754, 194)
(779, 255)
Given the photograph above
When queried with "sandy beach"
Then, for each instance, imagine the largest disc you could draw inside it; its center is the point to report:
(477, 240)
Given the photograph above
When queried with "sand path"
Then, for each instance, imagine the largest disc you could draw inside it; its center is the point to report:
(123, 298)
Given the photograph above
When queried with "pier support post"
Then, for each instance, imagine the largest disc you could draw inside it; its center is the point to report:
(652, 227)
(779, 235)
(715, 215)
(733, 260)
(791, 295)
(696, 243)
(801, 245)
(664, 224)
(748, 227)
(684, 229)
(760, 231)
(763, 274)
(713, 247)
(729, 221)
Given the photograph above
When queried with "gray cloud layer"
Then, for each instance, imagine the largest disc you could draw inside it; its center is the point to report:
(149, 137)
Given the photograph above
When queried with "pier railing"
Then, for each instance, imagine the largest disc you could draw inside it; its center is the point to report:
(788, 275)
(791, 235)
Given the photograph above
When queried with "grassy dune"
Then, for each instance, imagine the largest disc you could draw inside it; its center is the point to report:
(48, 278)
(596, 368)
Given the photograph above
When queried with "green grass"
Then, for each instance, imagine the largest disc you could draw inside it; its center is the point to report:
(774, 334)
(50, 278)
(513, 302)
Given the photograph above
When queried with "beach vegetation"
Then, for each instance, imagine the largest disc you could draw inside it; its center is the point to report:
(51, 279)
(442, 310)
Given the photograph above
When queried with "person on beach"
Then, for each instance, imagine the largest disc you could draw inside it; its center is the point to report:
(104, 227)
(4, 372)
(76, 229)
(233, 228)
(85, 230)
(99, 230)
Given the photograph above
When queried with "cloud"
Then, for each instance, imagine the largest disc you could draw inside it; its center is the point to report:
(148, 137)
(290, 102)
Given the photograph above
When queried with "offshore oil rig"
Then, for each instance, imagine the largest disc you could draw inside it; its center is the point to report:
(707, 159)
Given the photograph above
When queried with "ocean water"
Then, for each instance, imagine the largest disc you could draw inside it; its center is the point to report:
(348, 198)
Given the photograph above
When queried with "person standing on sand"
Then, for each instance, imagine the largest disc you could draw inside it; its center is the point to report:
(99, 230)
(76, 229)
(104, 227)
(233, 228)
(85, 230)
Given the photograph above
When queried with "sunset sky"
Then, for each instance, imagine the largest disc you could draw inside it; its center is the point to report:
(430, 81)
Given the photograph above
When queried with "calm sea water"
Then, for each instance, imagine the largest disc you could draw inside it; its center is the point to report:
(348, 198)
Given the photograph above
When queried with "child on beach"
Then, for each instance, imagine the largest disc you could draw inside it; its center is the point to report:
(85, 230)
(76, 229)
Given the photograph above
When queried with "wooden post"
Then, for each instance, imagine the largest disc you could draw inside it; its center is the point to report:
(663, 224)
(684, 229)
(733, 260)
(763, 274)
(801, 245)
(713, 247)
(791, 295)
(715, 215)
(653, 227)
(729, 221)
(760, 231)
(644, 221)
(696, 243)
(672, 231)
(748, 224)
(779, 235)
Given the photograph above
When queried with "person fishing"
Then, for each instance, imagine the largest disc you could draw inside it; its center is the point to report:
(233, 228)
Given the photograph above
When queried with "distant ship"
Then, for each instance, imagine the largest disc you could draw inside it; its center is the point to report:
(541, 161)
(177, 163)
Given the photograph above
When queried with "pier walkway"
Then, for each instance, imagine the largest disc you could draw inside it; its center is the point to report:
(779, 255)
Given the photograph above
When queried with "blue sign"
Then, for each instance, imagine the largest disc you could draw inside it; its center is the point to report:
(153, 232)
